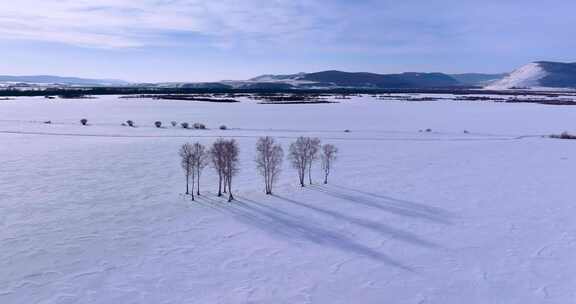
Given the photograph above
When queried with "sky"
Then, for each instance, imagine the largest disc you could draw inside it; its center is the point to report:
(211, 40)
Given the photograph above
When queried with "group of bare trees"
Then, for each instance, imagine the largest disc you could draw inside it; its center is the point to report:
(223, 155)
(269, 157)
(305, 151)
(194, 158)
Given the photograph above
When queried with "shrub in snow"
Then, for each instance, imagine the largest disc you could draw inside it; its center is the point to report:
(564, 135)
(184, 125)
(346, 131)
(130, 123)
(428, 130)
(466, 132)
(48, 122)
(174, 123)
(199, 126)
(84, 121)
(158, 124)
(223, 127)
(124, 124)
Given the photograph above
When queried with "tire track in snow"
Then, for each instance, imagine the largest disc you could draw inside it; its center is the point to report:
(436, 139)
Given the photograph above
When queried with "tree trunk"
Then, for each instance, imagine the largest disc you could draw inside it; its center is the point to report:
(310, 173)
(219, 184)
(230, 197)
(198, 184)
(193, 181)
(187, 183)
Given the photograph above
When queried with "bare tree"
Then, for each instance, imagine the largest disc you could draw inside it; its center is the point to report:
(217, 158)
(186, 161)
(201, 160)
(269, 157)
(231, 161)
(313, 146)
(328, 156)
(297, 154)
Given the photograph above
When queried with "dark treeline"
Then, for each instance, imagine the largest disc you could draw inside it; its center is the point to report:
(73, 92)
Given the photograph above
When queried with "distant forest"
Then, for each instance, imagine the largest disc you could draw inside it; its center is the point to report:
(80, 92)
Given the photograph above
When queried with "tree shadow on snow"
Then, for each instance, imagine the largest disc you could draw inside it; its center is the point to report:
(375, 226)
(388, 204)
(295, 227)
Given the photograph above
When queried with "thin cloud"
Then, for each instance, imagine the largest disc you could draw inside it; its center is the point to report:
(122, 23)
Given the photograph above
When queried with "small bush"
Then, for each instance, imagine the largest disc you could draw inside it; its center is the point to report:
(223, 127)
(564, 135)
(130, 123)
(158, 124)
(428, 130)
(466, 132)
(48, 122)
(346, 131)
(185, 125)
(124, 124)
(84, 121)
(199, 126)
(174, 123)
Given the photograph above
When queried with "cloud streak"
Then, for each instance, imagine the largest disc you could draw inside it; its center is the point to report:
(123, 23)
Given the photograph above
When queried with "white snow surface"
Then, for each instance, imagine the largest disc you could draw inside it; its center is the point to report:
(97, 214)
(528, 76)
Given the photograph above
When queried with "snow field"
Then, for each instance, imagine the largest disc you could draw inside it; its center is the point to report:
(440, 217)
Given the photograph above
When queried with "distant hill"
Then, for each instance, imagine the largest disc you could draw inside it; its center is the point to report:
(404, 80)
(477, 79)
(330, 79)
(541, 74)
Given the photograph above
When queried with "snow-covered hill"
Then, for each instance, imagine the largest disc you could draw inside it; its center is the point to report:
(524, 77)
(541, 75)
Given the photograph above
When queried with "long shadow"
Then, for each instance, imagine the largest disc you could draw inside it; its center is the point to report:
(368, 224)
(296, 228)
(389, 204)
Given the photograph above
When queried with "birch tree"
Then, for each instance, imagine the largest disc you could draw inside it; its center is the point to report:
(201, 160)
(217, 158)
(328, 156)
(297, 154)
(313, 146)
(269, 157)
(186, 161)
(231, 162)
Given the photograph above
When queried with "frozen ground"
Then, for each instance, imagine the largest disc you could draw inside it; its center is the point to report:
(96, 214)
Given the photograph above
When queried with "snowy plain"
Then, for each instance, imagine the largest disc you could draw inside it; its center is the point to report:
(96, 214)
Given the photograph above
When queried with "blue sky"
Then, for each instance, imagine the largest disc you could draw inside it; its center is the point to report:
(201, 40)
